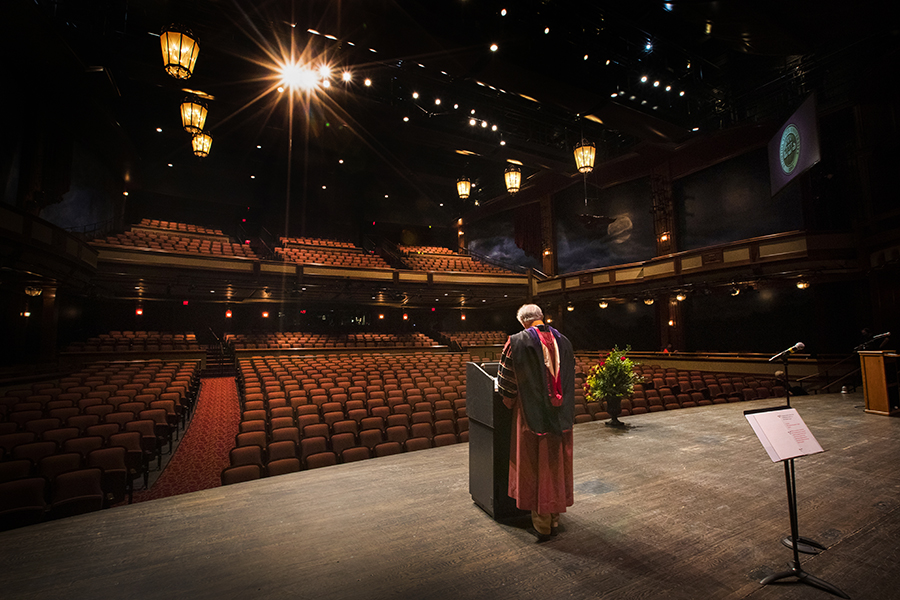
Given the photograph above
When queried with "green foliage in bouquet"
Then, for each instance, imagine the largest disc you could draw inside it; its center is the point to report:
(612, 377)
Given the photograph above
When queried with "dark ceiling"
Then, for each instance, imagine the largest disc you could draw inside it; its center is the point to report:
(562, 71)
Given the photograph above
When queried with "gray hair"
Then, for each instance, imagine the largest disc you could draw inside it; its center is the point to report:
(528, 313)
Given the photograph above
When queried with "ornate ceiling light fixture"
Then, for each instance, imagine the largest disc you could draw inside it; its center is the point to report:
(179, 49)
(513, 177)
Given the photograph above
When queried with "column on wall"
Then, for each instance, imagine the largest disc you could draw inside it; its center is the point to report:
(49, 323)
(671, 323)
(462, 245)
(663, 209)
(548, 237)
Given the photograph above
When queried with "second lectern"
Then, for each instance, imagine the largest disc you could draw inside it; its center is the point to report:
(490, 426)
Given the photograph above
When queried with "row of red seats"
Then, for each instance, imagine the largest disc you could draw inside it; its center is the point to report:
(176, 243)
(335, 409)
(456, 263)
(476, 338)
(316, 242)
(185, 227)
(111, 417)
(426, 250)
(336, 257)
(320, 340)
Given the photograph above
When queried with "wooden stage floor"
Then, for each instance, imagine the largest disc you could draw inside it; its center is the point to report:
(685, 505)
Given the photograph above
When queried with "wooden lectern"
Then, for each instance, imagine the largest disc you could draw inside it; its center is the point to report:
(881, 382)
(490, 426)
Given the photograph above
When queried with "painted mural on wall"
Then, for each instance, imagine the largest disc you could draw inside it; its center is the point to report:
(731, 201)
(614, 227)
(495, 238)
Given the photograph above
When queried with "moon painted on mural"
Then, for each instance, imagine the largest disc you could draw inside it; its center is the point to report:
(620, 230)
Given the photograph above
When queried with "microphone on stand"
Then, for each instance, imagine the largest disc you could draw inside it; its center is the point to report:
(866, 343)
(795, 348)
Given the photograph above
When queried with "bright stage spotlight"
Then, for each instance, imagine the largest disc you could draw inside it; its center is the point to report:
(295, 76)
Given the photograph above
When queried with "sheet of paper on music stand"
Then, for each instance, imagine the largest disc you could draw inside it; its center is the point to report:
(783, 434)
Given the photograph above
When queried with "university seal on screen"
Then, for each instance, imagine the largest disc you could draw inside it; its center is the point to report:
(790, 149)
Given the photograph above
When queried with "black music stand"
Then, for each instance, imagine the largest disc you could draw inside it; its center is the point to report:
(802, 544)
(776, 438)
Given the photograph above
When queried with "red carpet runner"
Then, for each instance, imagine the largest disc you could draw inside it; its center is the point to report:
(203, 453)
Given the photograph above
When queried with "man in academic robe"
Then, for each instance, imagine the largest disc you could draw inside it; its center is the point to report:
(537, 381)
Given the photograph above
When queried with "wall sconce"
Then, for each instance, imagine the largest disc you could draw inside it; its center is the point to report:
(381, 316)
(671, 322)
(179, 49)
(603, 304)
(462, 316)
(228, 314)
(649, 301)
(265, 314)
(405, 317)
(139, 311)
(680, 296)
(33, 291)
(570, 307)
(802, 284)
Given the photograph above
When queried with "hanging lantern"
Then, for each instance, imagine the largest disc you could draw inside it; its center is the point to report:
(584, 156)
(463, 187)
(201, 143)
(193, 114)
(513, 176)
(179, 50)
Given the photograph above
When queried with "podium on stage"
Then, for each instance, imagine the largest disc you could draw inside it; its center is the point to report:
(881, 381)
(490, 426)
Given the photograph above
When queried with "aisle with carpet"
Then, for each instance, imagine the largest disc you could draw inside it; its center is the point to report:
(203, 452)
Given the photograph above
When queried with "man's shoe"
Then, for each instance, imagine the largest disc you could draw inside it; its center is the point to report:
(554, 530)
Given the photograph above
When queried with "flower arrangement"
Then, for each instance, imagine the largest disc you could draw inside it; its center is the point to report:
(612, 377)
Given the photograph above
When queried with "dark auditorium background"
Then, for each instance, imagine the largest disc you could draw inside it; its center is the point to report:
(679, 180)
